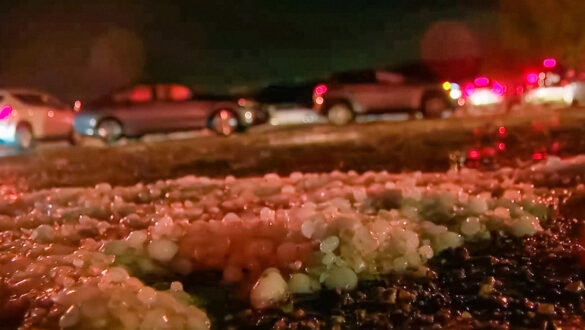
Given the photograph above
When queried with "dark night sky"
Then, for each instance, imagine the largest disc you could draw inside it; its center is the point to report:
(59, 45)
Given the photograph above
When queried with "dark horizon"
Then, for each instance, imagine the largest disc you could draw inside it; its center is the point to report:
(86, 49)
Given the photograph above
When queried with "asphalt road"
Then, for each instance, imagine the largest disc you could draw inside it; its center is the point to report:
(426, 145)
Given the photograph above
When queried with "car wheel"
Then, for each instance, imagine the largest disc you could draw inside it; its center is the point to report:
(434, 106)
(23, 136)
(224, 122)
(110, 130)
(340, 114)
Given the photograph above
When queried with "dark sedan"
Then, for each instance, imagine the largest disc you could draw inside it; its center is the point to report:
(159, 108)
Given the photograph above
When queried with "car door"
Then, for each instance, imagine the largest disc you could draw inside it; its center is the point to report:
(138, 111)
(60, 117)
(181, 109)
(396, 95)
(34, 111)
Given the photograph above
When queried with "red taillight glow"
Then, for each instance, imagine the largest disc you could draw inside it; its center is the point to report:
(501, 146)
(498, 88)
(474, 154)
(468, 89)
(481, 81)
(532, 78)
(549, 63)
(538, 156)
(320, 89)
(5, 112)
(502, 131)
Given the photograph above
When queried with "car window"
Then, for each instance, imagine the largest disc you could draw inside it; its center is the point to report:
(30, 99)
(137, 94)
(172, 92)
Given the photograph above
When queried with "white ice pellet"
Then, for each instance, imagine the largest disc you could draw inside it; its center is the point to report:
(340, 278)
(117, 275)
(136, 239)
(162, 250)
(302, 283)
(146, 295)
(269, 290)
(359, 194)
(176, 286)
(267, 214)
(288, 189)
(329, 244)
(43, 233)
(470, 226)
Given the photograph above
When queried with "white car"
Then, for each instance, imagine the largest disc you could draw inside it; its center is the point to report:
(28, 115)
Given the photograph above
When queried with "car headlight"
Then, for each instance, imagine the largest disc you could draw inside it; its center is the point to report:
(485, 97)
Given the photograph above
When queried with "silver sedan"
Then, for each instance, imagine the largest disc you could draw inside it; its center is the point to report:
(159, 108)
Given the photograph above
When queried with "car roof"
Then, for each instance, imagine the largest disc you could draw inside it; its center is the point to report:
(19, 90)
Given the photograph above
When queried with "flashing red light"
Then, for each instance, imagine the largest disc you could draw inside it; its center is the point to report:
(501, 146)
(5, 112)
(537, 156)
(549, 63)
(502, 131)
(532, 78)
(481, 81)
(498, 88)
(468, 89)
(320, 89)
(474, 154)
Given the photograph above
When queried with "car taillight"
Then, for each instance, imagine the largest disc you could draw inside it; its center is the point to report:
(320, 89)
(498, 88)
(5, 112)
(481, 81)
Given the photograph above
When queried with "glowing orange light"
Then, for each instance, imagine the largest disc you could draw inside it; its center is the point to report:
(319, 100)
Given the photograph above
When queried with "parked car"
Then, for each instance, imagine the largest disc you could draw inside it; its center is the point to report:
(369, 92)
(159, 108)
(28, 115)
(288, 104)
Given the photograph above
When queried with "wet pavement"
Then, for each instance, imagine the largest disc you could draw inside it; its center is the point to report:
(425, 145)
